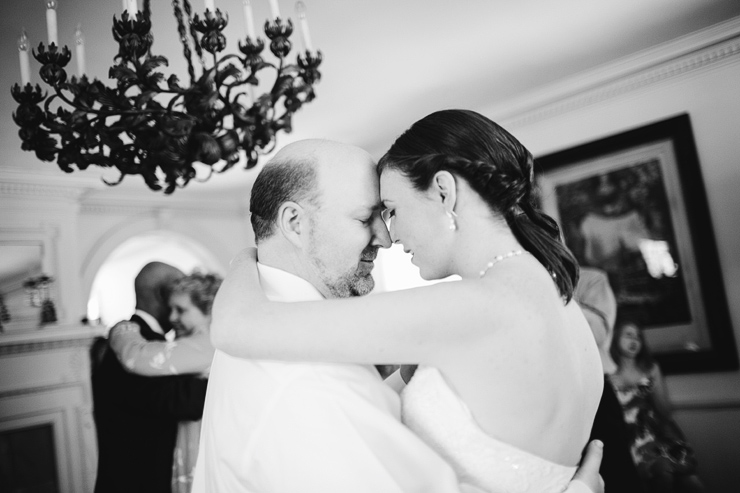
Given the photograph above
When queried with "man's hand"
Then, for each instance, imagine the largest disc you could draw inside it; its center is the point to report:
(588, 471)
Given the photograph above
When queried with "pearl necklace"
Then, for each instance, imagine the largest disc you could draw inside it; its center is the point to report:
(499, 258)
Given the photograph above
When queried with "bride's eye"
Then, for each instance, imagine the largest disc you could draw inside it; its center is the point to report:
(387, 215)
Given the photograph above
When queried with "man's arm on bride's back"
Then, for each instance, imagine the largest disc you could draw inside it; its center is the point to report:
(587, 477)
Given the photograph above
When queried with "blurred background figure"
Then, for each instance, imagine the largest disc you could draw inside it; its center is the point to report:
(596, 298)
(136, 417)
(659, 449)
(191, 352)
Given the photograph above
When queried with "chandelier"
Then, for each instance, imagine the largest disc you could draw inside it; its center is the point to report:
(154, 126)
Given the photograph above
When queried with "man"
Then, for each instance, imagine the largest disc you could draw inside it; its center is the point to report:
(272, 426)
(596, 298)
(136, 417)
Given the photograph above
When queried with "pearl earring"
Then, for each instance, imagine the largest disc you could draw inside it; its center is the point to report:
(453, 223)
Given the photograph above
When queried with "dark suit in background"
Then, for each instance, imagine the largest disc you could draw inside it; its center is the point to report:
(136, 419)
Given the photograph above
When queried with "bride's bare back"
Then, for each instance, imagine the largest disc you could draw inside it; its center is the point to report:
(534, 382)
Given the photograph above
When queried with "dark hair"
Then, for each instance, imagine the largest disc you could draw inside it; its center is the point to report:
(496, 166)
(644, 359)
(278, 182)
(202, 289)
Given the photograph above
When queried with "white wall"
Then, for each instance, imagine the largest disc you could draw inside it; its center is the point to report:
(82, 230)
(699, 75)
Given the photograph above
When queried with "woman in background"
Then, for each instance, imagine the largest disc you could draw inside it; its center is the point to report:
(659, 449)
(191, 352)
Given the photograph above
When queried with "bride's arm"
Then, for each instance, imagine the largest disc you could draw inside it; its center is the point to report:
(192, 354)
(419, 325)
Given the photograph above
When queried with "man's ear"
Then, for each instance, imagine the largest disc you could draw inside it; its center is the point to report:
(291, 222)
(444, 187)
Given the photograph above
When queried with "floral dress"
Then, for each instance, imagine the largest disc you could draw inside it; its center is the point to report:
(653, 437)
(192, 354)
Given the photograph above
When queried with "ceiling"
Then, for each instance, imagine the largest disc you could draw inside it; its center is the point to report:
(386, 62)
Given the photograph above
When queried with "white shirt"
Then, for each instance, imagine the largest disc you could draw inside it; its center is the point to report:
(286, 427)
(281, 427)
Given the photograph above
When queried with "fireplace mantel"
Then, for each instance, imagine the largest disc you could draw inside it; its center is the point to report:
(45, 380)
(48, 337)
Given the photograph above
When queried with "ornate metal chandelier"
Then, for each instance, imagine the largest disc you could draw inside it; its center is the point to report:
(155, 127)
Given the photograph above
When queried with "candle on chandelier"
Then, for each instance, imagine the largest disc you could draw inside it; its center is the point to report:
(249, 19)
(210, 5)
(275, 9)
(132, 6)
(300, 9)
(80, 51)
(51, 21)
(23, 57)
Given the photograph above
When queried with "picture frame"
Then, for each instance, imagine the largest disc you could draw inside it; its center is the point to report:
(634, 205)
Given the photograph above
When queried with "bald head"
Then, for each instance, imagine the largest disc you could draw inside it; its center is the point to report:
(151, 286)
(323, 199)
(301, 172)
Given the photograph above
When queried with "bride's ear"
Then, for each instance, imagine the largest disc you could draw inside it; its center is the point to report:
(444, 186)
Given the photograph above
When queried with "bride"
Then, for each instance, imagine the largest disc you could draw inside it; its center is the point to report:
(509, 374)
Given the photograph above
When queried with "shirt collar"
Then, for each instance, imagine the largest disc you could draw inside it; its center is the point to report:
(150, 321)
(280, 285)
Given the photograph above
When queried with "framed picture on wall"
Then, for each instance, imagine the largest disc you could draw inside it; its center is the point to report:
(634, 205)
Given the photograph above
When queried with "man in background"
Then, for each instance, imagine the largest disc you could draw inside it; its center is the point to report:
(136, 417)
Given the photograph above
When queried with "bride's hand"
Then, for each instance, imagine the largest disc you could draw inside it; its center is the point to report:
(240, 288)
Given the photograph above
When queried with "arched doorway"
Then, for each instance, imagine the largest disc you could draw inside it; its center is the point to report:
(112, 294)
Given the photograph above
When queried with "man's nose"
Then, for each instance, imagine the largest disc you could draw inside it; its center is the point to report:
(381, 237)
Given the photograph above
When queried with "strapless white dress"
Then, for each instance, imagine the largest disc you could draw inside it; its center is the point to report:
(435, 412)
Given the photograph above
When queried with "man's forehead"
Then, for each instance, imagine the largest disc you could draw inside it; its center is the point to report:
(355, 184)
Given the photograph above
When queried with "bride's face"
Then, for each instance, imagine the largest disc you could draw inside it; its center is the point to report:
(418, 222)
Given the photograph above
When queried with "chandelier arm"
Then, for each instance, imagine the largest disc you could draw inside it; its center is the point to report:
(148, 111)
(49, 100)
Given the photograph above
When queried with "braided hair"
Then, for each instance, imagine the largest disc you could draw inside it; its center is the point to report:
(498, 167)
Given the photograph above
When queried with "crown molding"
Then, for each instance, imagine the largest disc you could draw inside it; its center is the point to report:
(697, 51)
(159, 206)
(12, 188)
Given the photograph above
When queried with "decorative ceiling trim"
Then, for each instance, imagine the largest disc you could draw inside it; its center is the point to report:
(200, 207)
(34, 190)
(720, 44)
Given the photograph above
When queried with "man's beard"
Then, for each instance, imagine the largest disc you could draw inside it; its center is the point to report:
(348, 284)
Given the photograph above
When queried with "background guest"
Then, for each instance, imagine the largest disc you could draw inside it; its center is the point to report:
(596, 298)
(659, 448)
(190, 312)
(135, 416)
